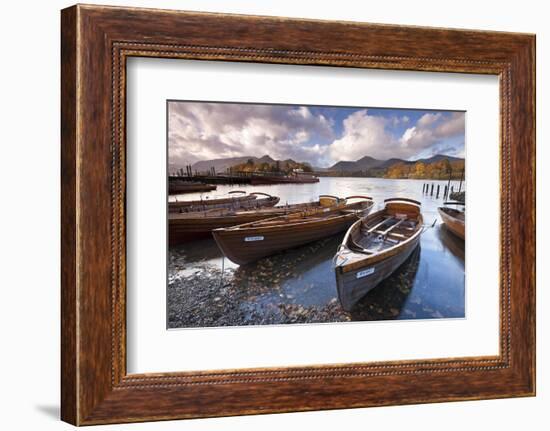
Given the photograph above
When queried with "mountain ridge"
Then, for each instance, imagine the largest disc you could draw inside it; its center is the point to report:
(368, 162)
(365, 163)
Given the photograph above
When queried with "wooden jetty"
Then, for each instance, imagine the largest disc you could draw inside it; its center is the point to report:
(257, 179)
(374, 247)
(254, 178)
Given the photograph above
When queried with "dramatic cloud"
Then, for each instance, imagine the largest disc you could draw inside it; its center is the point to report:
(371, 135)
(430, 130)
(201, 131)
(363, 135)
(320, 136)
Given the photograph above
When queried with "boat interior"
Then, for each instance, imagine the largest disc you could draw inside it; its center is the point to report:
(398, 222)
(457, 213)
(326, 207)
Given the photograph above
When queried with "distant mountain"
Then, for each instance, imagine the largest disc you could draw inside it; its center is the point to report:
(344, 166)
(393, 161)
(362, 164)
(264, 163)
(372, 163)
(438, 158)
(367, 165)
(221, 165)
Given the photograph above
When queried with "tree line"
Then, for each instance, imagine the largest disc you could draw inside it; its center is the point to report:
(284, 167)
(419, 170)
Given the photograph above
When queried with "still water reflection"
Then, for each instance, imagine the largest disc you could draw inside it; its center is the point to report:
(299, 285)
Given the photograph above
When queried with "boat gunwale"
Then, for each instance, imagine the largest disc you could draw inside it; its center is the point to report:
(330, 216)
(262, 203)
(453, 224)
(370, 259)
(444, 213)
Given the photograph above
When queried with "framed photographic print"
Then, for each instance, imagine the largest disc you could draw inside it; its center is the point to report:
(266, 215)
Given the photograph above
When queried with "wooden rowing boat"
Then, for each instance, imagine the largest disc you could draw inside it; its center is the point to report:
(234, 201)
(453, 218)
(177, 187)
(374, 247)
(183, 227)
(249, 242)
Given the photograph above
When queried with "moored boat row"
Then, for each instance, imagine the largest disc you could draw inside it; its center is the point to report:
(237, 200)
(252, 241)
(375, 244)
(185, 226)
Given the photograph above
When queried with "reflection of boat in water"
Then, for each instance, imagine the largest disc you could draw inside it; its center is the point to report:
(289, 267)
(392, 295)
(374, 247)
(179, 186)
(453, 218)
(451, 242)
(192, 225)
(252, 241)
(237, 200)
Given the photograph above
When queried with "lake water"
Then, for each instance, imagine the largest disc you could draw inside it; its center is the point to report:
(204, 289)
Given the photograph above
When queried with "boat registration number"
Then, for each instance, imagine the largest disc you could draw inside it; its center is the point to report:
(364, 273)
(253, 238)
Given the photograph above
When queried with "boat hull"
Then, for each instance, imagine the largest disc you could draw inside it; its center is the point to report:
(248, 202)
(175, 189)
(249, 245)
(353, 285)
(455, 225)
(200, 205)
(189, 229)
(374, 248)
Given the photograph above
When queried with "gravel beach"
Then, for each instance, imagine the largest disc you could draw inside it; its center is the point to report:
(297, 286)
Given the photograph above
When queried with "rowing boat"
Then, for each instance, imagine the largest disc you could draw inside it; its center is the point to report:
(234, 201)
(374, 247)
(183, 227)
(177, 187)
(453, 218)
(249, 242)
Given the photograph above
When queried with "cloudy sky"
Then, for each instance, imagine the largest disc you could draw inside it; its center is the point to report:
(319, 135)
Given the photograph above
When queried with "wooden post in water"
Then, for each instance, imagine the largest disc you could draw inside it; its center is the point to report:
(432, 191)
(437, 194)
(452, 189)
(445, 193)
(461, 178)
(448, 182)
